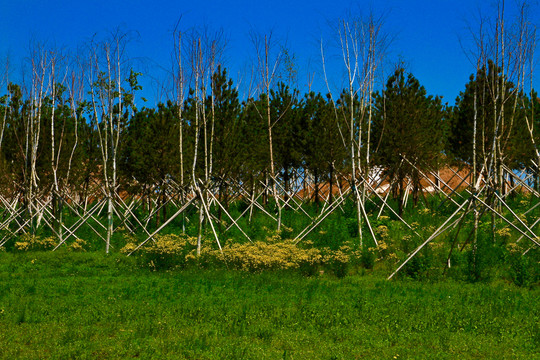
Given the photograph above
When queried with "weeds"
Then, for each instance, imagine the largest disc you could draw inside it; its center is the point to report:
(333, 247)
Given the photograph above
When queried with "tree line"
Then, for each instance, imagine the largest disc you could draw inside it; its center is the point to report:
(72, 125)
(62, 141)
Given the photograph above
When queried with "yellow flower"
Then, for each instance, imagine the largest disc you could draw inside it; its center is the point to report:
(504, 232)
(78, 245)
(22, 245)
(382, 231)
(128, 248)
(513, 248)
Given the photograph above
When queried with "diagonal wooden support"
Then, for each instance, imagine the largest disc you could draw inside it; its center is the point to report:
(230, 217)
(505, 219)
(436, 233)
(320, 219)
(151, 236)
(83, 220)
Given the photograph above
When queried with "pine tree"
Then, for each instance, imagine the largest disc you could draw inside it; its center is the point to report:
(227, 147)
(323, 148)
(409, 125)
(286, 112)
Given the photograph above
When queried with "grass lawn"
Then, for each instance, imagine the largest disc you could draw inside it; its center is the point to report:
(91, 306)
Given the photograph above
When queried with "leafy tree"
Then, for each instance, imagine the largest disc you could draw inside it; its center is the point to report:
(150, 151)
(323, 147)
(286, 127)
(255, 141)
(407, 124)
(227, 145)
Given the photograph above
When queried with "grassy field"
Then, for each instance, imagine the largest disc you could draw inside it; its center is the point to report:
(91, 306)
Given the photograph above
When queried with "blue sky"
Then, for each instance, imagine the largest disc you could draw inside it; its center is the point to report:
(429, 36)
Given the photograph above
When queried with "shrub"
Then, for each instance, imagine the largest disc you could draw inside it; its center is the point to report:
(29, 242)
(352, 227)
(338, 262)
(259, 256)
(78, 245)
(524, 270)
(367, 257)
(416, 267)
(166, 251)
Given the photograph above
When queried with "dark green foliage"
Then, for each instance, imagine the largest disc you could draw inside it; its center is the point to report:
(524, 270)
(286, 130)
(150, 153)
(507, 113)
(323, 147)
(417, 267)
(409, 125)
(228, 147)
(367, 258)
(254, 137)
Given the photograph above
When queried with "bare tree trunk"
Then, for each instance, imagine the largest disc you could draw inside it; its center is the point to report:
(39, 89)
(108, 112)
(267, 69)
(179, 82)
(362, 48)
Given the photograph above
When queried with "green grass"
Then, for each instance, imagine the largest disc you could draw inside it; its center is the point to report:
(91, 306)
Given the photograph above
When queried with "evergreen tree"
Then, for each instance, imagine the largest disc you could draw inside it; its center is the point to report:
(227, 146)
(286, 128)
(503, 115)
(14, 140)
(150, 152)
(482, 89)
(323, 148)
(407, 124)
(520, 148)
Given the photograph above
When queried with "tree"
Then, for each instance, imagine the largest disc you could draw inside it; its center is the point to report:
(227, 143)
(149, 153)
(409, 125)
(478, 97)
(525, 137)
(112, 97)
(268, 63)
(285, 108)
(255, 156)
(323, 149)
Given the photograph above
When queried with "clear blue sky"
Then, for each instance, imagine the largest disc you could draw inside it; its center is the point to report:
(426, 33)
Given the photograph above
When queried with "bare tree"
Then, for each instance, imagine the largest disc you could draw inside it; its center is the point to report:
(179, 87)
(108, 72)
(268, 62)
(204, 52)
(39, 87)
(363, 44)
(76, 91)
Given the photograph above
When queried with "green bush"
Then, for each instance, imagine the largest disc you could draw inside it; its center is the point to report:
(524, 270)
(367, 258)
